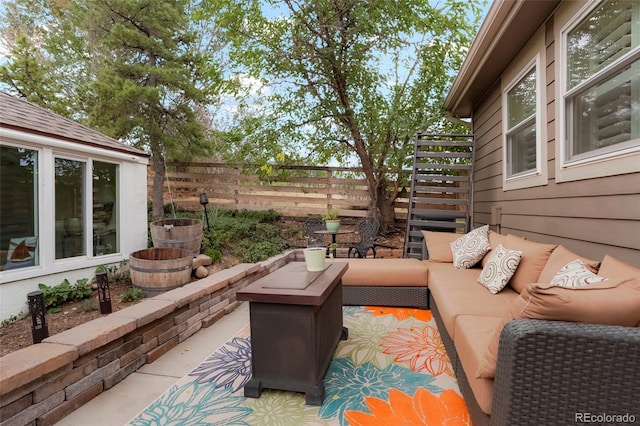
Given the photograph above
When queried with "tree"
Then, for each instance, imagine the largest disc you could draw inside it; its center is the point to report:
(153, 81)
(143, 72)
(46, 63)
(351, 78)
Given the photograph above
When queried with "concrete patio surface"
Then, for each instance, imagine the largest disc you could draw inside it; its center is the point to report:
(121, 403)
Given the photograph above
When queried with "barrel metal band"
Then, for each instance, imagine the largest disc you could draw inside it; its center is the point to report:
(166, 270)
(177, 241)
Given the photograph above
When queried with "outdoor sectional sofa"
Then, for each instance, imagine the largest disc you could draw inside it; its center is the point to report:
(547, 355)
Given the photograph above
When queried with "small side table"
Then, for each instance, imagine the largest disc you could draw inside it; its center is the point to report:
(333, 234)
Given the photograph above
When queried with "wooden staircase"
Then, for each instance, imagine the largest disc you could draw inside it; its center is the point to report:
(440, 197)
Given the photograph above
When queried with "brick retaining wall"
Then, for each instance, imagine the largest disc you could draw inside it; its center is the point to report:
(42, 383)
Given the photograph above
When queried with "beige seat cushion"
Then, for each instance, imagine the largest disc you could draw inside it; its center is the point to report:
(386, 272)
(473, 335)
(532, 261)
(559, 258)
(457, 292)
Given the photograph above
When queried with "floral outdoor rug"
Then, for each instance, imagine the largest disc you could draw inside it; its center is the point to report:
(393, 369)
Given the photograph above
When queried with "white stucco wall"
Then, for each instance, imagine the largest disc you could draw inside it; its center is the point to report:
(16, 284)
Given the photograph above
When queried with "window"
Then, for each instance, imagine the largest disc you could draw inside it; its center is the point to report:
(70, 208)
(71, 215)
(521, 126)
(105, 208)
(524, 148)
(602, 83)
(18, 207)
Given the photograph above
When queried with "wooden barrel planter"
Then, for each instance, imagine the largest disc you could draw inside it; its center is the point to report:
(178, 233)
(157, 270)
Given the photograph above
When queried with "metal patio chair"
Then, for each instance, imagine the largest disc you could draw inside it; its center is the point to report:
(309, 227)
(367, 229)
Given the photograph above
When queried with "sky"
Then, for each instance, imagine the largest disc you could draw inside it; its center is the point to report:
(256, 87)
(229, 105)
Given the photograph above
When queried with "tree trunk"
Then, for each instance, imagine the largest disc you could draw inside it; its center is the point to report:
(385, 201)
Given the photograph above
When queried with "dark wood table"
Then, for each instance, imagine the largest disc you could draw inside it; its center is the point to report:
(296, 323)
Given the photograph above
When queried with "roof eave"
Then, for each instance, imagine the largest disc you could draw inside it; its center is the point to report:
(506, 29)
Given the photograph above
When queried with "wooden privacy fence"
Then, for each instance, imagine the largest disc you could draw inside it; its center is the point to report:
(292, 191)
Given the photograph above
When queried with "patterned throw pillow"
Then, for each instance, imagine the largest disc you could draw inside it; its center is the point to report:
(470, 248)
(575, 274)
(499, 269)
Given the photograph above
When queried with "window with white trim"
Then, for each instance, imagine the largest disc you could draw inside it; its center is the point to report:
(19, 233)
(602, 83)
(524, 118)
(74, 222)
(521, 135)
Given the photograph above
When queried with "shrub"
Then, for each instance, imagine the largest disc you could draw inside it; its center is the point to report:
(88, 306)
(252, 252)
(250, 235)
(65, 292)
(132, 295)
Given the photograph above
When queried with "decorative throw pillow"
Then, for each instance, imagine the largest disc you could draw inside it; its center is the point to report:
(575, 274)
(494, 240)
(499, 269)
(560, 257)
(470, 248)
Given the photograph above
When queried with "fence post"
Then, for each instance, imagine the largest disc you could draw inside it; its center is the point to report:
(329, 188)
(236, 182)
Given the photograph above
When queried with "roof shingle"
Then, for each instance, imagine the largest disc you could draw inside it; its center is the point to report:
(18, 114)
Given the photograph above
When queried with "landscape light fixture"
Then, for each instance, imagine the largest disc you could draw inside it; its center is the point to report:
(39, 327)
(104, 294)
(204, 201)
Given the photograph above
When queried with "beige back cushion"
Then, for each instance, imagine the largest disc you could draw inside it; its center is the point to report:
(534, 257)
(495, 239)
(438, 245)
(616, 269)
(559, 258)
(611, 302)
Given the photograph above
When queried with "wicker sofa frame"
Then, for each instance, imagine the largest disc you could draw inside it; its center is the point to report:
(414, 297)
(556, 373)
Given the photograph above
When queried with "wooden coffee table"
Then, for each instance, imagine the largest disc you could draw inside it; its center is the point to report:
(296, 323)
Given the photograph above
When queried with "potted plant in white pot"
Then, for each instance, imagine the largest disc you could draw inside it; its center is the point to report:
(331, 221)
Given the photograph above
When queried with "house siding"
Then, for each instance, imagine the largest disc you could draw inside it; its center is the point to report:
(591, 217)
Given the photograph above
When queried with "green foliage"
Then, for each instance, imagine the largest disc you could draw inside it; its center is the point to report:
(11, 319)
(331, 214)
(101, 269)
(88, 306)
(119, 273)
(132, 295)
(47, 63)
(64, 292)
(214, 254)
(250, 235)
(144, 72)
(258, 251)
(347, 80)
